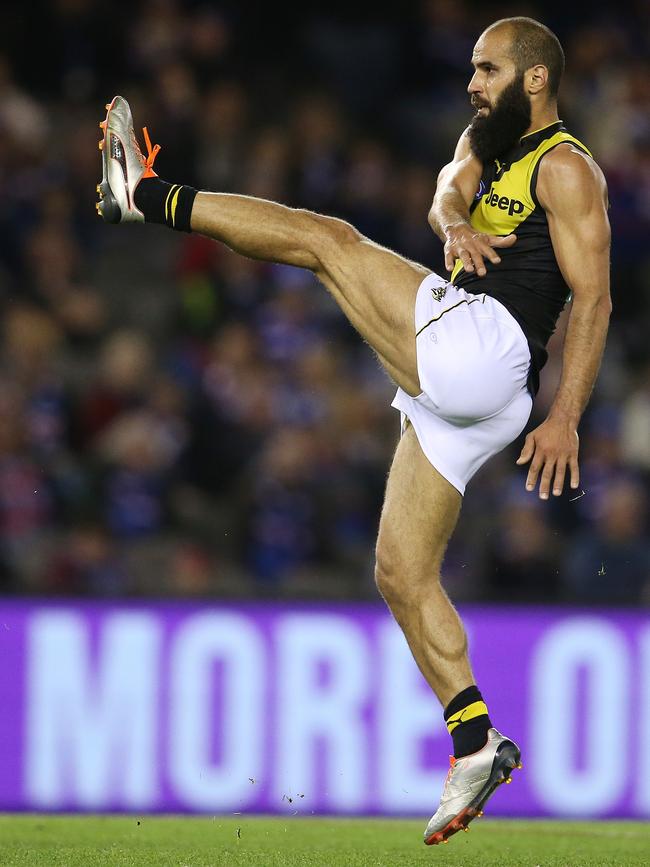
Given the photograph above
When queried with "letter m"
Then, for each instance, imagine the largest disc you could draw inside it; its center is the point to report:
(91, 711)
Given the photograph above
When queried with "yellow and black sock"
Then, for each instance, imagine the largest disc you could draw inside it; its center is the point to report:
(467, 721)
(169, 204)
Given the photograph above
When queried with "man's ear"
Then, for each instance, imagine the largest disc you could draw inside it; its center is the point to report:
(536, 78)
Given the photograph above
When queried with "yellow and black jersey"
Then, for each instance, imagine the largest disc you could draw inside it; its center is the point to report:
(528, 280)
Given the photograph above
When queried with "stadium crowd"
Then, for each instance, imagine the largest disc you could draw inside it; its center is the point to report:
(178, 420)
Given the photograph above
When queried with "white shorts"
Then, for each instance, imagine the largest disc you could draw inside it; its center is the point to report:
(473, 361)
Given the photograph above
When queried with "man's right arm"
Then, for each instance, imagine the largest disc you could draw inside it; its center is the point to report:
(457, 184)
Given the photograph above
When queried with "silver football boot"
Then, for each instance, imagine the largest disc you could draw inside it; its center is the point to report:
(123, 165)
(470, 782)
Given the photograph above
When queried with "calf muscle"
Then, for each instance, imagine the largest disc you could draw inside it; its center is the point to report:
(258, 228)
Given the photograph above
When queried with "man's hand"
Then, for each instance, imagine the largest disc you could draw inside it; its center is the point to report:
(552, 447)
(472, 247)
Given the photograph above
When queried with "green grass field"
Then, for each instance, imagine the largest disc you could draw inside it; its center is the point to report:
(118, 841)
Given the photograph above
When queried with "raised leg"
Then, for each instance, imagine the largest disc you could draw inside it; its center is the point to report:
(420, 512)
(374, 287)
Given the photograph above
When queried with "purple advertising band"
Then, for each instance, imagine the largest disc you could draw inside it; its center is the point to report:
(310, 709)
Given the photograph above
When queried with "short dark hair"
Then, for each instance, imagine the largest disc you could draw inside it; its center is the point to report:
(533, 42)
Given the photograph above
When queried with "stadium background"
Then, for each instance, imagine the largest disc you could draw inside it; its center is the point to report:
(179, 422)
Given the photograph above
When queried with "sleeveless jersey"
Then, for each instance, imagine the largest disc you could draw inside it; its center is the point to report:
(528, 281)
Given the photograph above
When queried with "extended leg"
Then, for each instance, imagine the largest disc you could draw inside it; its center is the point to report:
(373, 286)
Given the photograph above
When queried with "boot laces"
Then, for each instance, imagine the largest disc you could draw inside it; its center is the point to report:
(152, 152)
(452, 765)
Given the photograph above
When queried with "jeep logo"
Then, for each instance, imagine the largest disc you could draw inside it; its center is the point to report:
(503, 203)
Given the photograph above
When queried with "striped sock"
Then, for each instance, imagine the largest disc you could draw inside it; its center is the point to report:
(168, 204)
(467, 721)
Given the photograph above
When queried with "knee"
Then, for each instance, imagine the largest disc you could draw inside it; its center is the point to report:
(386, 577)
(330, 236)
(402, 583)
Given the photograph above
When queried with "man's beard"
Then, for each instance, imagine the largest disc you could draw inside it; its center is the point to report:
(508, 119)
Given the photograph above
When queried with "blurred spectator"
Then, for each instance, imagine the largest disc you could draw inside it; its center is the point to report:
(27, 513)
(523, 555)
(87, 562)
(222, 136)
(609, 563)
(282, 532)
(123, 377)
(635, 424)
(139, 450)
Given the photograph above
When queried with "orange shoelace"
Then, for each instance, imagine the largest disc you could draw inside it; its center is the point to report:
(452, 762)
(152, 153)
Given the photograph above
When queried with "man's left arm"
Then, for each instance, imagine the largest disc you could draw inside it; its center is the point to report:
(572, 190)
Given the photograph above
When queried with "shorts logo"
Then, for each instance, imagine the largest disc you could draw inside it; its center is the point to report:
(503, 203)
(439, 292)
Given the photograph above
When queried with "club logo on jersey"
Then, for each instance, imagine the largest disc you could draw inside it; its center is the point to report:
(504, 203)
(481, 190)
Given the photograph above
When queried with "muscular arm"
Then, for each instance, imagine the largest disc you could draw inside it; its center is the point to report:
(457, 184)
(572, 191)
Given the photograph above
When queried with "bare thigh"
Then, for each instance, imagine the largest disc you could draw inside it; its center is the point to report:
(376, 289)
(420, 512)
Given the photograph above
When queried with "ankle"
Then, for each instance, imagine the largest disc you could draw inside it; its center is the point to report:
(167, 204)
(467, 721)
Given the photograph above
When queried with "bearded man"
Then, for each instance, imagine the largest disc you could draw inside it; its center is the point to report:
(522, 212)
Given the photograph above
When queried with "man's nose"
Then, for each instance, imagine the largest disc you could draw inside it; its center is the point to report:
(474, 85)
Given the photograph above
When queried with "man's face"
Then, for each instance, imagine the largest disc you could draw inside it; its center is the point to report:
(503, 109)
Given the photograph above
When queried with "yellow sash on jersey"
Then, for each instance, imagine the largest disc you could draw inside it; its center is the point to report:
(509, 201)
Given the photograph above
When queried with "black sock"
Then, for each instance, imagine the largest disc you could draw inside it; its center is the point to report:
(468, 722)
(169, 204)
